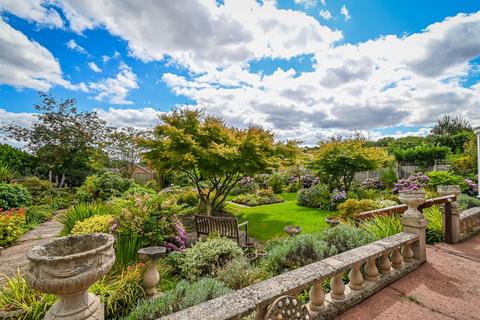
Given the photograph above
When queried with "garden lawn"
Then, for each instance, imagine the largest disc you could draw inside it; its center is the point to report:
(267, 222)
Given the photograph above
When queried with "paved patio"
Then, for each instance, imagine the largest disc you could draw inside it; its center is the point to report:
(446, 287)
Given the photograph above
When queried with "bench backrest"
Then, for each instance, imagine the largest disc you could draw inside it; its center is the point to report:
(225, 226)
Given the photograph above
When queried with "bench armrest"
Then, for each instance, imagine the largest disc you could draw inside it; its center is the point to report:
(243, 224)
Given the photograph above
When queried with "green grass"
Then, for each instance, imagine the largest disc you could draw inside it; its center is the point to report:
(267, 222)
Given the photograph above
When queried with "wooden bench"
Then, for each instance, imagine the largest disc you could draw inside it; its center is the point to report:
(225, 226)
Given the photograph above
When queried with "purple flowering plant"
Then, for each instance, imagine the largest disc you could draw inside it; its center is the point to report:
(472, 187)
(179, 241)
(339, 196)
(415, 182)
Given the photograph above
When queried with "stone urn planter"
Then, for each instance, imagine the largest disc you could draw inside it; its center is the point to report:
(292, 230)
(332, 221)
(261, 253)
(449, 190)
(67, 267)
(413, 199)
(248, 246)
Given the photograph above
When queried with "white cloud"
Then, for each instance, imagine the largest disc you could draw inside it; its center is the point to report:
(325, 14)
(324, 2)
(371, 85)
(201, 35)
(92, 65)
(344, 12)
(24, 63)
(73, 45)
(115, 90)
(307, 3)
(142, 119)
(33, 10)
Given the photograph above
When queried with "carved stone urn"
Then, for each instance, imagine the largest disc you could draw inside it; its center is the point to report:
(413, 199)
(449, 190)
(67, 267)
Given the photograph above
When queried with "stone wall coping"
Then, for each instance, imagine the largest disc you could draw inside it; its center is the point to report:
(245, 301)
(469, 213)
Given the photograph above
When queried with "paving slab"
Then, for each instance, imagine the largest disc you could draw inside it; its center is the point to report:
(447, 286)
(13, 258)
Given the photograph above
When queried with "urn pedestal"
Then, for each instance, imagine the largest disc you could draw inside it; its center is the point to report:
(67, 267)
(413, 199)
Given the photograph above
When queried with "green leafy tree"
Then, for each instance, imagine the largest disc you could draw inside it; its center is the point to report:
(63, 138)
(450, 126)
(123, 148)
(213, 156)
(16, 159)
(337, 161)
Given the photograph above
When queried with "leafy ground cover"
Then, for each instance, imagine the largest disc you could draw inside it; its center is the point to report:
(267, 222)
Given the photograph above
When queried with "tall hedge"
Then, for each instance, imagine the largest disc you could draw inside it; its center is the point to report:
(422, 155)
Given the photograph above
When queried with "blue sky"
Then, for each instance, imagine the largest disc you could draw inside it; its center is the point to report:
(304, 68)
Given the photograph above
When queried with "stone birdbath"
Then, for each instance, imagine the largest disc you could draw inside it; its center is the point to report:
(151, 277)
(292, 230)
(67, 267)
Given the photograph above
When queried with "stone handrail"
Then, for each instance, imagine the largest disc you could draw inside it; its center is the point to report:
(469, 222)
(384, 261)
(401, 208)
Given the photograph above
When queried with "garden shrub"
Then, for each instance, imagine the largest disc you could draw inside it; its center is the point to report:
(39, 189)
(434, 231)
(93, 225)
(79, 213)
(444, 178)
(317, 196)
(16, 295)
(276, 182)
(467, 202)
(385, 203)
(422, 155)
(294, 187)
(262, 197)
(13, 196)
(7, 174)
(184, 295)
(205, 258)
(11, 225)
(136, 189)
(388, 177)
(103, 187)
(351, 207)
(345, 238)
(359, 193)
(295, 252)
(244, 186)
(121, 292)
(383, 226)
(239, 273)
(373, 183)
(189, 198)
(261, 180)
(39, 214)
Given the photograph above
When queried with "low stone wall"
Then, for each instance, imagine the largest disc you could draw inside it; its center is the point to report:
(383, 262)
(469, 222)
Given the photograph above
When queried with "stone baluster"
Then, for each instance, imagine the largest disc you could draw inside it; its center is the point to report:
(414, 222)
(384, 264)
(407, 253)
(454, 213)
(397, 259)
(338, 287)
(317, 298)
(151, 277)
(371, 271)
(356, 278)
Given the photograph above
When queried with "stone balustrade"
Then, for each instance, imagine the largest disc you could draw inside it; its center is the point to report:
(369, 268)
(469, 222)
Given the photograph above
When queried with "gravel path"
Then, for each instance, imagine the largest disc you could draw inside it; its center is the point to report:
(13, 258)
